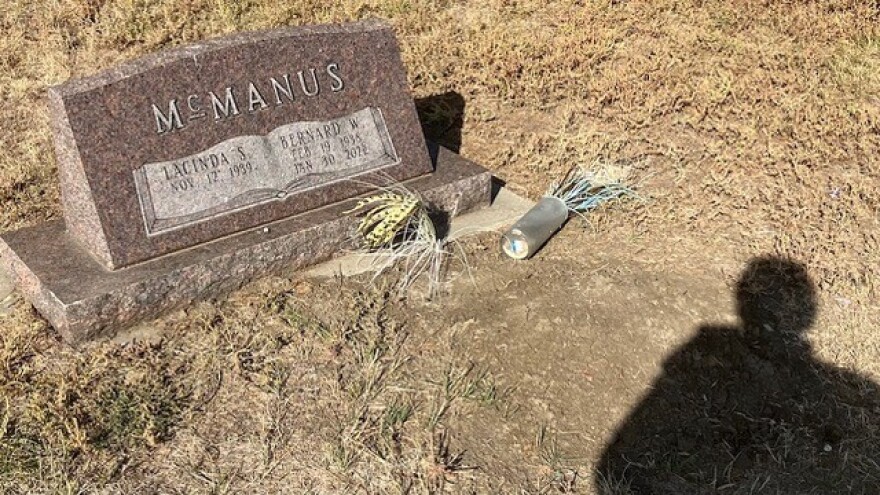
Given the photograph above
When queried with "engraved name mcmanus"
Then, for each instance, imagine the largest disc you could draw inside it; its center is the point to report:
(232, 101)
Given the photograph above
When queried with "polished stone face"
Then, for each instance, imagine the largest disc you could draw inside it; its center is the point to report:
(248, 171)
(196, 143)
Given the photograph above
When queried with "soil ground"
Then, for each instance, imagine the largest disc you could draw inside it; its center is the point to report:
(717, 337)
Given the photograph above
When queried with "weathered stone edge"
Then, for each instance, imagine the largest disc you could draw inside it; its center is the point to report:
(80, 213)
(29, 285)
(105, 314)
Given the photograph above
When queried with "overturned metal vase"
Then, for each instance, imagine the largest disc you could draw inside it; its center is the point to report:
(532, 231)
(580, 190)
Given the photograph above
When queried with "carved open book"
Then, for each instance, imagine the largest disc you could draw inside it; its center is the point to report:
(249, 170)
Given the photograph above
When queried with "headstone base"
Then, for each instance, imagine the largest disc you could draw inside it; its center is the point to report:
(84, 301)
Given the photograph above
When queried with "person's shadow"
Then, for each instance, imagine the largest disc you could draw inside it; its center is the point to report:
(749, 409)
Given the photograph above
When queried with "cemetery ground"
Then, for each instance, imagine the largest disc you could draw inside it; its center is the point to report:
(753, 130)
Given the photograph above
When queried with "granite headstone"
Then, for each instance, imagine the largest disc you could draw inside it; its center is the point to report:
(198, 142)
(188, 172)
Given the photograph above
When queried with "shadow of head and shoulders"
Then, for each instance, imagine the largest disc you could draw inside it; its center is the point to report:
(739, 402)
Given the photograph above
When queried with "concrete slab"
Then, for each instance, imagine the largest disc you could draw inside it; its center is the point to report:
(506, 208)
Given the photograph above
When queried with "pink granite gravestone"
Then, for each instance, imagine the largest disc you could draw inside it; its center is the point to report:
(173, 165)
